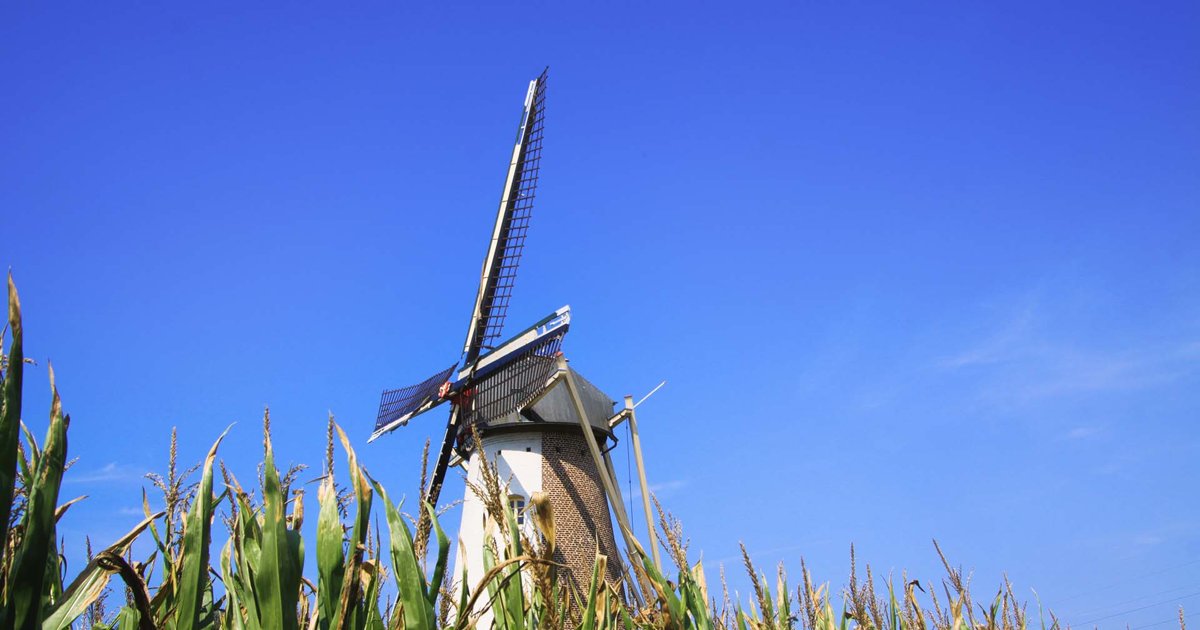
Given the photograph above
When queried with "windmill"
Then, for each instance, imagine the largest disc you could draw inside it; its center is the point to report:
(545, 427)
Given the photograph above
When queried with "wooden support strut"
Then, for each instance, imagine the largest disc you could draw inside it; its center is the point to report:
(641, 468)
(643, 579)
(606, 479)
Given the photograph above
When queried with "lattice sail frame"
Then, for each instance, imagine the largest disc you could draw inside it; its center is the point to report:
(516, 380)
(396, 406)
(509, 389)
(512, 225)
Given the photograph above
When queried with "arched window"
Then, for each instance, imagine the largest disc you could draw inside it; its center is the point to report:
(516, 503)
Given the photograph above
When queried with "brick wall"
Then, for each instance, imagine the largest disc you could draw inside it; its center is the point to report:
(581, 516)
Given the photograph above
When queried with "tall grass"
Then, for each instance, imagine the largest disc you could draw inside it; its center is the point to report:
(256, 579)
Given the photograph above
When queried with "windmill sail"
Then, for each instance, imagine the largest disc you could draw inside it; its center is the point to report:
(397, 406)
(506, 391)
(493, 380)
(512, 224)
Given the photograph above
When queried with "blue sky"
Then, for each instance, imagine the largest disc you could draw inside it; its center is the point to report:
(911, 272)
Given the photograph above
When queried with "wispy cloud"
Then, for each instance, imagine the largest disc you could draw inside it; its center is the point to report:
(1083, 433)
(1054, 371)
(662, 489)
(1025, 358)
(1147, 539)
(765, 555)
(1009, 342)
(111, 472)
(1171, 531)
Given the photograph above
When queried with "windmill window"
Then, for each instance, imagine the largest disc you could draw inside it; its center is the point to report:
(516, 503)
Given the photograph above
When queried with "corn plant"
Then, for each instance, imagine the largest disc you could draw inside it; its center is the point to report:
(32, 592)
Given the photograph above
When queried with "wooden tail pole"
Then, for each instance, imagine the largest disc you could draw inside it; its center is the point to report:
(642, 578)
(641, 468)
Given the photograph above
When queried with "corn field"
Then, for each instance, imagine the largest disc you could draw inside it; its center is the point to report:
(257, 580)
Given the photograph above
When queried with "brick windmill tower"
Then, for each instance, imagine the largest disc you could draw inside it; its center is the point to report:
(541, 423)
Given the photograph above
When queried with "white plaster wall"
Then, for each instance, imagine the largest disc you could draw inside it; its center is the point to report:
(518, 459)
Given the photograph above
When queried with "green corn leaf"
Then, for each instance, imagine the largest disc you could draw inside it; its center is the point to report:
(233, 590)
(10, 413)
(245, 535)
(28, 464)
(90, 583)
(350, 594)
(697, 607)
(463, 597)
(491, 579)
(372, 620)
(495, 595)
(893, 609)
(697, 577)
(52, 583)
(295, 548)
(27, 576)
(439, 567)
(362, 492)
(514, 596)
(211, 610)
(158, 541)
(128, 617)
(86, 588)
(331, 556)
(785, 599)
(277, 578)
(197, 536)
(663, 588)
(589, 608)
(410, 581)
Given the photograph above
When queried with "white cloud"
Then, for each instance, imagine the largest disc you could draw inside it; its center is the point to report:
(770, 556)
(667, 486)
(1009, 342)
(1147, 539)
(661, 489)
(111, 472)
(1082, 433)
(1026, 358)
